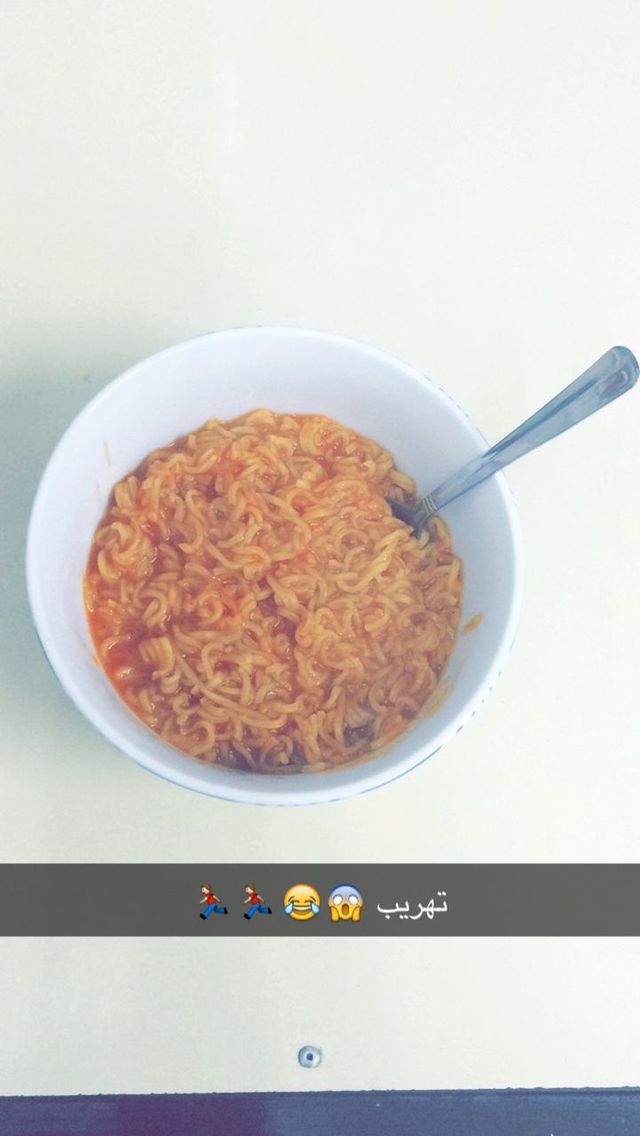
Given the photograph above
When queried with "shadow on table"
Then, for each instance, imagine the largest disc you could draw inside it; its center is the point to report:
(33, 415)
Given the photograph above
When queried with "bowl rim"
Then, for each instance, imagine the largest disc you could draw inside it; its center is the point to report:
(333, 785)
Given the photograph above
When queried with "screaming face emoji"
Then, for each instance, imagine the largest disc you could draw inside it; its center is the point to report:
(301, 901)
(345, 902)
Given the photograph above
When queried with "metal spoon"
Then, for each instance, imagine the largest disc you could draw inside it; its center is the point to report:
(608, 378)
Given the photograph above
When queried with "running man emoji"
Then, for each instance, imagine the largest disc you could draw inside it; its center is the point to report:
(256, 903)
(212, 905)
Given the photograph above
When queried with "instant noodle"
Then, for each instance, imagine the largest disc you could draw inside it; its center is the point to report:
(252, 598)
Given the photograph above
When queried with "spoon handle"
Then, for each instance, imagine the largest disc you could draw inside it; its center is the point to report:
(608, 378)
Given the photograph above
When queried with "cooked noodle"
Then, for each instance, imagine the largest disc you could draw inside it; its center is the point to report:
(255, 602)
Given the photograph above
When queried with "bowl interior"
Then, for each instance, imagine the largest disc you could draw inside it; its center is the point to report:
(222, 375)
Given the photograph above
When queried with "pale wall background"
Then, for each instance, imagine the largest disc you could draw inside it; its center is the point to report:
(457, 183)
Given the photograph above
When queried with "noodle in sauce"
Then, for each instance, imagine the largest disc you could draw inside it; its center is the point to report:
(255, 602)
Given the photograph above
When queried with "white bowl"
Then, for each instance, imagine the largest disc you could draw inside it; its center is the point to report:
(221, 375)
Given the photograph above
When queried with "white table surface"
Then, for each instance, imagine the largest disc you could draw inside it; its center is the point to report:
(457, 183)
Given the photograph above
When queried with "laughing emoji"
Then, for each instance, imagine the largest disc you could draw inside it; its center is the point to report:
(345, 902)
(301, 901)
